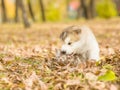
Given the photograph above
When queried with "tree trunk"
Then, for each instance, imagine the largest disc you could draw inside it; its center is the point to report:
(88, 9)
(4, 15)
(24, 14)
(84, 8)
(117, 2)
(42, 11)
(30, 9)
(92, 8)
(16, 11)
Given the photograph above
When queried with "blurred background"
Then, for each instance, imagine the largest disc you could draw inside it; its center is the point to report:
(32, 11)
(29, 41)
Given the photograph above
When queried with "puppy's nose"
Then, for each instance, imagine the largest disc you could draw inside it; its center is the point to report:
(63, 52)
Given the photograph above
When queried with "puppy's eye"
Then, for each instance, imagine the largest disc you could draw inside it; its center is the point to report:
(69, 43)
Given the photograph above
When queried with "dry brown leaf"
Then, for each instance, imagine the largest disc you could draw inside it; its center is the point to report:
(72, 82)
(113, 87)
(30, 81)
(1, 67)
(91, 76)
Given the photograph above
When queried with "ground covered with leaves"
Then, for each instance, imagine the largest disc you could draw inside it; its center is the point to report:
(28, 58)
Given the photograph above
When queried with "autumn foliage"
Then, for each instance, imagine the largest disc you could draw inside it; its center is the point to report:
(28, 58)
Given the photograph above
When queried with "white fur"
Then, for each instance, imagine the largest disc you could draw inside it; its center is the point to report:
(87, 46)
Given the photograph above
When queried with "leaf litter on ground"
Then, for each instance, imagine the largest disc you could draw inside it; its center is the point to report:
(28, 59)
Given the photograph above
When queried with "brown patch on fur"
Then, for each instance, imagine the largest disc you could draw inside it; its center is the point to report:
(74, 37)
(73, 32)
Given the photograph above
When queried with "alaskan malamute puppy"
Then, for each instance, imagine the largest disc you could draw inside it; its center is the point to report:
(80, 40)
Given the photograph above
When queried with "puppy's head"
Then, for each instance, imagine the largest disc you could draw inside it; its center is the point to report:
(70, 37)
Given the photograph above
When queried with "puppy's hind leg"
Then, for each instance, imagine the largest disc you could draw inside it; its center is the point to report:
(92, 58)
(93, 55)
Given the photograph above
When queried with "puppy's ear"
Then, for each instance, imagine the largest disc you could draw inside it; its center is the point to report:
(63, 35)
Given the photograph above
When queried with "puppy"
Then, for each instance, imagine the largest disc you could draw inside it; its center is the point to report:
(80, 40)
